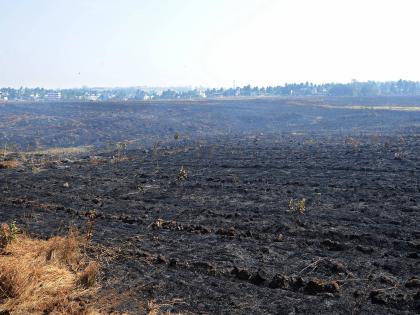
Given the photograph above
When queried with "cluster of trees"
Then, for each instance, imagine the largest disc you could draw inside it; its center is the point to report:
(355, 88)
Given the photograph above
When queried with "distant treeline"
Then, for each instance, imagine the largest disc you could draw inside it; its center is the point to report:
(355, 88)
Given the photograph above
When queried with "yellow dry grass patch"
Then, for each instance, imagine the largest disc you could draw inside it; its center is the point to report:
(61, 151)
(4, 152)
(48, 151)
(9, 164)
(44, 276)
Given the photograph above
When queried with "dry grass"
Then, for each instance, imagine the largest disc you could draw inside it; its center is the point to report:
(297, 206)
(182, 174)
(45, 276)
(154, 308)
(48, 151)
(61, 151)
(118, 159)
(4, 152)
(96, 160)
(353, 142)
(9, 164)
(409, 108)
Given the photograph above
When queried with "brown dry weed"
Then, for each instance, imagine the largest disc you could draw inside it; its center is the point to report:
(45, 276)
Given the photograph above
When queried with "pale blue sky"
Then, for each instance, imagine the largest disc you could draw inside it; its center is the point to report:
(70, 43)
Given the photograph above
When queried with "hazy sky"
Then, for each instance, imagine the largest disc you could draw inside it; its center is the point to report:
(70, 43)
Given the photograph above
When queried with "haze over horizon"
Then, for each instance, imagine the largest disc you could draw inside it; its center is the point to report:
(63, 44)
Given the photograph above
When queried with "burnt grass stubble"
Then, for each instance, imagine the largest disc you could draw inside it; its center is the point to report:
(223, 240)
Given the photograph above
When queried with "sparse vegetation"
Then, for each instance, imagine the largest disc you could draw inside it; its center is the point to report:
(87, 278)
(90, 224)
(155, 308)
(57, 151)
(297, 206)
(9, 164)
(398, 156)
(353, 142)
(182, 174)
(8, 233)
(120, 154)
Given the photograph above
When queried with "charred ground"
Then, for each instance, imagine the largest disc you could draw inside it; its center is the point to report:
(224, 240)
(34, 125)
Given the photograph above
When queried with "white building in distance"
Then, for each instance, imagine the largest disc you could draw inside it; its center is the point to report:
(52, 96)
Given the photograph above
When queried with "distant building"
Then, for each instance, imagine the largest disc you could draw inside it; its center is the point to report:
(202, 94)
(92, 97)
(52, 96)
(3, 97)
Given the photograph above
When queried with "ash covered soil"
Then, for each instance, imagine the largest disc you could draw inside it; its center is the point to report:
(224, 240)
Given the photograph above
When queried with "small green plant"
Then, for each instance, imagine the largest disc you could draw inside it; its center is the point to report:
(297, 206)
(8, 233)
(14, 229)
(182, 174)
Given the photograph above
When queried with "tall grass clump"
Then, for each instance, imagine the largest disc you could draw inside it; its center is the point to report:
(44, 276)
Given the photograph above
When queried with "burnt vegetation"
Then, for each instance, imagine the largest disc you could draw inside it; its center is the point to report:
(275, 206)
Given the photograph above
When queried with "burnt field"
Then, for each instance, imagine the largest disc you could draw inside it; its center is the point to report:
(228, 235)
(30, 126)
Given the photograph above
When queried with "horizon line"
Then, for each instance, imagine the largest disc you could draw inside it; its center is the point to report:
(191, 87)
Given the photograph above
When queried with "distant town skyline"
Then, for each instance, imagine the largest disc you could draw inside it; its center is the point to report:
(355, 89)
(208, 43)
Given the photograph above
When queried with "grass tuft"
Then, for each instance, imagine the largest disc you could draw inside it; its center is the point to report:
(45, 276)
(9, 164)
